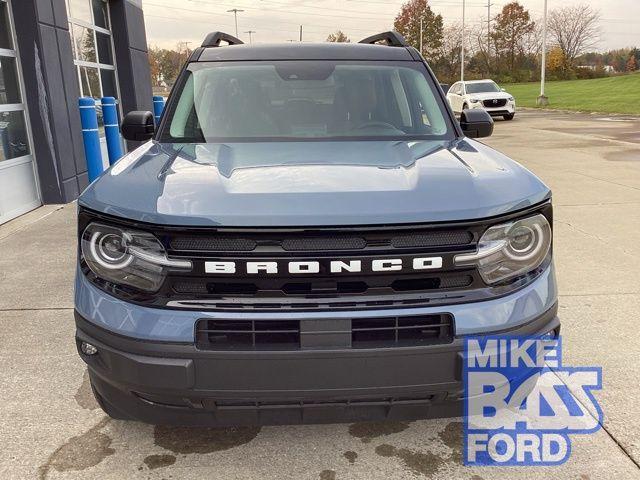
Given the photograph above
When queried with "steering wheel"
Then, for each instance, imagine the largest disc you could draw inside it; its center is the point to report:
(375, 124)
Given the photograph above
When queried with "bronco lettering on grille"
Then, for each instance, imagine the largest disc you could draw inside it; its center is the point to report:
(324, 265)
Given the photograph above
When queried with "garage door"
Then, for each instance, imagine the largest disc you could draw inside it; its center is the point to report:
(18, 186)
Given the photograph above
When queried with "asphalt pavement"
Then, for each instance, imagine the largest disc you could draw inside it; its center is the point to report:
(52, 428)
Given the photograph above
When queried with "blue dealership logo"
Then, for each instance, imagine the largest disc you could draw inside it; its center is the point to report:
(521, 404)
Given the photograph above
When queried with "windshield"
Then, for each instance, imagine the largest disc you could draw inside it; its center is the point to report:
(304, 100)
(482, 87)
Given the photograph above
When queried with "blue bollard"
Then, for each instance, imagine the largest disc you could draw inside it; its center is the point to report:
(90, 136)
(111, 129)
(158, 107)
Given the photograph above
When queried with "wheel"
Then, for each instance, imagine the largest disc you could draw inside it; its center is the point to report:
(107, 407)
(509, 116)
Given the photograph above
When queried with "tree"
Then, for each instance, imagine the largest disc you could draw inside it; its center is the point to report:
(339, 37)
(407, 23)
(555, 59)
(166, 64)
(511, 30)
(575, 29)
(632, 64)
(154, 65)
(477, 52)
(447, 64)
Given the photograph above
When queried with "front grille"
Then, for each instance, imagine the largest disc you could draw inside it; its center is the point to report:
(360, 289)
(498, 102)
(274, 335)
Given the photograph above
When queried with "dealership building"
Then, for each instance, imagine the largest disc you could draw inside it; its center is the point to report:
(51, 53)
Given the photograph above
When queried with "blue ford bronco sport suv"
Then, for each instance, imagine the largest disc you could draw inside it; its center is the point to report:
(307, 236)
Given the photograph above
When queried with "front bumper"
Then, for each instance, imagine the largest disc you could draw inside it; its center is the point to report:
(508, 109)
(174, 383)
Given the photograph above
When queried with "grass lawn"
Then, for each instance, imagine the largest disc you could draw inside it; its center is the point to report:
(611, 95)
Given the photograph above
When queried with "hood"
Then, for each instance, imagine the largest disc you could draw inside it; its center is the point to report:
(489, 95)
(323, 183)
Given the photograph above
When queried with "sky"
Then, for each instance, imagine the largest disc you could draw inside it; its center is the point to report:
(171, 21)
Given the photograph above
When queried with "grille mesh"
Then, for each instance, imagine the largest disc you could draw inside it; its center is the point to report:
(320, 244)
(214, 244)
(304, 289)
(190, 287)
(323, 243)
(433, 239)
(456, 282)
(501, 102)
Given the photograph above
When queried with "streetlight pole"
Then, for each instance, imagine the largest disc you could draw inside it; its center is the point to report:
(462, 46)
(235, 16)
(543, 100)
(250, 32)
(421, 35)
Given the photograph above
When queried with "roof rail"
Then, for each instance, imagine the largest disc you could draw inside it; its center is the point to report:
(214, 38)
(391, 38)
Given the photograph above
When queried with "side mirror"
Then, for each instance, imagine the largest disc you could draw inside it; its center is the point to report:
(476, 123)
(138, 126)
(502, 90)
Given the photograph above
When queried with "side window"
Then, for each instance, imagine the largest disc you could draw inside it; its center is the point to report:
(427, 113)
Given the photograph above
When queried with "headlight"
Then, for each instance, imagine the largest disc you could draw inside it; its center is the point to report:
(511, 249)
(127, 257)
(474, 100)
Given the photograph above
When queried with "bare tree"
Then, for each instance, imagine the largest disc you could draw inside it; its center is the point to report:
(447, 64)
(477, 49)
(575, 29)
(532, 41)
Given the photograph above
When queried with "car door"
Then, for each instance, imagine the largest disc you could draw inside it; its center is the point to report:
(454, 97)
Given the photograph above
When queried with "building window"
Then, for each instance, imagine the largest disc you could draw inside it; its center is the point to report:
(14, 140)
(89, 27)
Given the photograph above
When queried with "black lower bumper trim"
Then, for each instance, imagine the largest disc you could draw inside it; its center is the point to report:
(170, 383)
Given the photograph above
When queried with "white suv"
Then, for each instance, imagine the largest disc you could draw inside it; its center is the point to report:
(482, 94)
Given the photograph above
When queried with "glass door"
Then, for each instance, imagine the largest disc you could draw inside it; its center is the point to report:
(18, 184)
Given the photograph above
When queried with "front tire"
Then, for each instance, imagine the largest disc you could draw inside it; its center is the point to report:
(509, 116)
